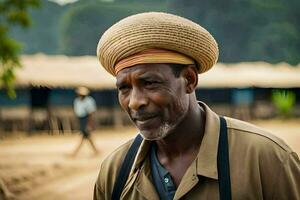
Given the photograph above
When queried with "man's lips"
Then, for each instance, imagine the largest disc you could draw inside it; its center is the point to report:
(144, 119)
(147, 123)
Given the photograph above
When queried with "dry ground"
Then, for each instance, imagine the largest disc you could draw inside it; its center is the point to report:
(40, 167)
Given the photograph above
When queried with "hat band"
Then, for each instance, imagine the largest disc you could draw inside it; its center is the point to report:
(153, 56)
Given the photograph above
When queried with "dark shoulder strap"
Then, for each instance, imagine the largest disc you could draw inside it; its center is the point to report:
(223, 163)
(125, 168)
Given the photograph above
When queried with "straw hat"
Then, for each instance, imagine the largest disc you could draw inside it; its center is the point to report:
(159, 30)
(82, 91)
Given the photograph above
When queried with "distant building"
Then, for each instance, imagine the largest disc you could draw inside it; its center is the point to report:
(45, 88)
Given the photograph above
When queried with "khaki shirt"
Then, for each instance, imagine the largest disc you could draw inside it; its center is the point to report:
(262, 166)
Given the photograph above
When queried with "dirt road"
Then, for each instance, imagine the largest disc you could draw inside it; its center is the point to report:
(41, 168)
(76, 187)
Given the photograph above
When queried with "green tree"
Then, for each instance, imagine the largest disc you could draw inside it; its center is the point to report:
(42, 36)
(248, 30)
(12, 13)
(84, 23)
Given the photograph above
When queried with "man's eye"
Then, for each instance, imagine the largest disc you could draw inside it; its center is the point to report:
(123, 87)
(150, 83)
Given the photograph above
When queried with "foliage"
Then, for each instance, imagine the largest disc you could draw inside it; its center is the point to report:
(12, 13)
(284, 101)
(84, 23)
(248, 30)
(44, 32)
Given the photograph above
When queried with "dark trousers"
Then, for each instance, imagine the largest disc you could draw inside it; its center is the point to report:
(83, 121)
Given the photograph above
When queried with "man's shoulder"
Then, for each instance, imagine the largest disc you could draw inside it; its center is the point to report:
(89, 99)
(256, 136)
(117, 156)
(110, 167)
(76, 99)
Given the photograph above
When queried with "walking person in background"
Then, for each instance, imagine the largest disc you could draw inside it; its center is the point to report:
(84, 108)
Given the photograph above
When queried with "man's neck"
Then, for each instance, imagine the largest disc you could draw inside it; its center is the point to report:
(178, 150)
(186, 138)
(82, 97)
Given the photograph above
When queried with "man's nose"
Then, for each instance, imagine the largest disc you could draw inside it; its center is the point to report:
(137, 99)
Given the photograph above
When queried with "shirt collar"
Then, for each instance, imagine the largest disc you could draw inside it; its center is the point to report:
(207, 157)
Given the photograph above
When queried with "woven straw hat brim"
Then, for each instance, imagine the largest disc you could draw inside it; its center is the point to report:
(157, 30)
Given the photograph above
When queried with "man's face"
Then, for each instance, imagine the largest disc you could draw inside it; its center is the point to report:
(155, 100)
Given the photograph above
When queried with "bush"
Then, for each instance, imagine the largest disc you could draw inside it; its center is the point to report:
(284, 102)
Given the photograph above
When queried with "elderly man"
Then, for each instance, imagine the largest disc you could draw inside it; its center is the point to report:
(183, 150)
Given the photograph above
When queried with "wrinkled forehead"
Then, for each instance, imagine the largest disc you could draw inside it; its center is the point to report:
(159, 70)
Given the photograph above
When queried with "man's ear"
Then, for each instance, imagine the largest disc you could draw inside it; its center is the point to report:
(190, 74)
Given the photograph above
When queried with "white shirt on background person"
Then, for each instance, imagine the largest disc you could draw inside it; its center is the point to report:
(84, 107)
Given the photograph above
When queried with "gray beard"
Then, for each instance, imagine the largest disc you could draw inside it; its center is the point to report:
(164, 130)
(167, 127)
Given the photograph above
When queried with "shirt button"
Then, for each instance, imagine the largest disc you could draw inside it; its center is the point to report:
(166, 180)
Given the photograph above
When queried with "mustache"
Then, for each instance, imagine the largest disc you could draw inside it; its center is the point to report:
(142, 115)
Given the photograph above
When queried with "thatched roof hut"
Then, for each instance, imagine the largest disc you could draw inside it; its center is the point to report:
(251, 74)
(62, 72)
(70, 72)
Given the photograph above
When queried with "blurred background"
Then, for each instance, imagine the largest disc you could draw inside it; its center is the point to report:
(48, 48)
